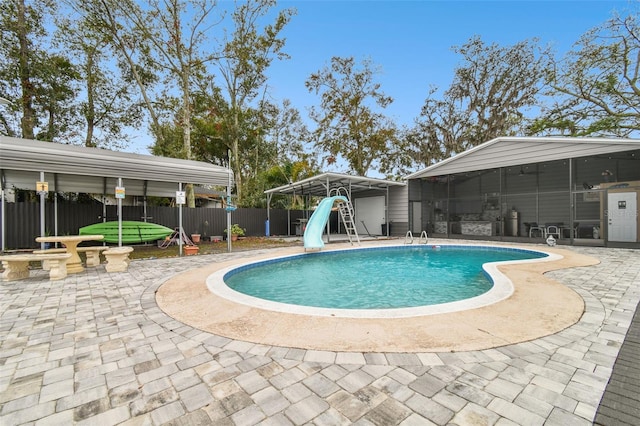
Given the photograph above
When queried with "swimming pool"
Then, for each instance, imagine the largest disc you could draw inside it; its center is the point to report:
(410, 280)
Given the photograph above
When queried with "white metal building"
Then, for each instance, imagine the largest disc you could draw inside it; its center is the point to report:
(580, 190)
(25, 164)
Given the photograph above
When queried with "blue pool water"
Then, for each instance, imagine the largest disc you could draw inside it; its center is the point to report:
(375, 278)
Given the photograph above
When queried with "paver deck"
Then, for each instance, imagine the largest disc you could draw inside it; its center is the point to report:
(95, 348)
(620, 403)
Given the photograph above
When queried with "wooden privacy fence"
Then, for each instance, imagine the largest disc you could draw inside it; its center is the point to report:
(23, 220)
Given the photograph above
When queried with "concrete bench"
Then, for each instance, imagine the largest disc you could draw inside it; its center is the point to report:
(45, 263)
(92, 253)
(16, 266)
(117, 258)
(50, 250)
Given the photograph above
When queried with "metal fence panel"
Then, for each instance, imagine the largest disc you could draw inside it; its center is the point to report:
(23, 220)
(21, 231)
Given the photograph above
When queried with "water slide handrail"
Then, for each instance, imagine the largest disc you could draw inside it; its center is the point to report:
(339, 191)
(316, 224)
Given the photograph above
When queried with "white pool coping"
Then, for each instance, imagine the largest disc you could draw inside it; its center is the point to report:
(501, 290)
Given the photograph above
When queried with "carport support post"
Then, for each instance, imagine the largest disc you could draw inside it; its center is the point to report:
(42, 211)
(180, 223)
(104, 200)
(268, 214)
(228, 210)
(4, 216)
(144, 201)
(386, 212)
(119, 216)
(55, 204)
(4, 228)
(572, 206)
(328, 221)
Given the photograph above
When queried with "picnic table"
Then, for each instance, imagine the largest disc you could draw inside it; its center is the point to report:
(70, 242)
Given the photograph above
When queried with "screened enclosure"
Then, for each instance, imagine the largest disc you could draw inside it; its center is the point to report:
(568, 198)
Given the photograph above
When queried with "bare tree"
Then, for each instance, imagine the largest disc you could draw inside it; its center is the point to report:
(247, 54)
(171, 35)
(40, 84)
(596, 89)
(286, 130)
(108, 106)
(347, 123)
(489, 97)
(131, 48)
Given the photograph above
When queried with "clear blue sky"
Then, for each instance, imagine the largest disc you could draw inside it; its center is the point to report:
(411, 40)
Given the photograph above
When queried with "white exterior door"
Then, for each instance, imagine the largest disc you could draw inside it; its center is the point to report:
(622, 212)
(369, 210)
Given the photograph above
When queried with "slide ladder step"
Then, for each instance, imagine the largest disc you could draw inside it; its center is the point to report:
(346, 212)
(347, 215)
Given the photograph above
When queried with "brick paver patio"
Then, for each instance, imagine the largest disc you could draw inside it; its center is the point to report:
(95, 349)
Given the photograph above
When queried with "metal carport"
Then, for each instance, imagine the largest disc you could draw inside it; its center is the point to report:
(70, 168)
(320, 186)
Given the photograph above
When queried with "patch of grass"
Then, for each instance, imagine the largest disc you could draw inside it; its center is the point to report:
(243, 244)
(152, 251)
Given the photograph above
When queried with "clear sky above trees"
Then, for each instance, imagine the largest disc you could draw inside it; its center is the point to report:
(411, 40)
(429, 59)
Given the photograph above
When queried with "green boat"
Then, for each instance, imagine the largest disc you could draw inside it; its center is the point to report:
(132, 231)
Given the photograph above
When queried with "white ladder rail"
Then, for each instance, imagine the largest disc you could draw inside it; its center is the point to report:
(408, 238)
(347, 214)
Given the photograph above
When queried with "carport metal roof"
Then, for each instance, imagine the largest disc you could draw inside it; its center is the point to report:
(515, 151)
(321, 184)
(71, 168)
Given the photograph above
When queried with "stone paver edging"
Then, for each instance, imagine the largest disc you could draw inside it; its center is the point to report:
(538, 307)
